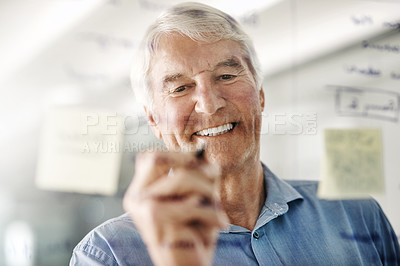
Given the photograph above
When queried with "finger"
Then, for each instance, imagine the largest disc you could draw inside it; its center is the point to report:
(181, 238)
(182, 183)
(190, 212)
(158, 217)
(152, 165)
(149, 166)
(184, 245)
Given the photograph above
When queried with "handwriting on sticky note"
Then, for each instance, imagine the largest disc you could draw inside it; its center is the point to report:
(66, 162)
(353, 165)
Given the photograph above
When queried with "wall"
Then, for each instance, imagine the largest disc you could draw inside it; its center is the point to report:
(353, 52)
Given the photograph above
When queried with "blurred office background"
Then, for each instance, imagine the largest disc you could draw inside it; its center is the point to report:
(60, 58)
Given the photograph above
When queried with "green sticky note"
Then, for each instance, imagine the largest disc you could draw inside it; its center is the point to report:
(352, 165)
(80, 151)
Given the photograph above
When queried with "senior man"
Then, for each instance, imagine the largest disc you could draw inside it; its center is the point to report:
(209, 199)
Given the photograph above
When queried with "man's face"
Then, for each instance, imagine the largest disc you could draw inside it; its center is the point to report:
(205, 94)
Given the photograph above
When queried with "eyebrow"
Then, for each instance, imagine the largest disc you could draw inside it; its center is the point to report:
(172, 78)
(230, 62)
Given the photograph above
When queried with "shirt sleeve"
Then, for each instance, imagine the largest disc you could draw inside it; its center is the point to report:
(115, 242)
(386, 239)
(88, 255)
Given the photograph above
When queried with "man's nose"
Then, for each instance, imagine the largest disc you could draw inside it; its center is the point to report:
(208, 98)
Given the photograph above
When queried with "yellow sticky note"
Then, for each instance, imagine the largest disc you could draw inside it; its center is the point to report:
(80, 151)
(352, 164)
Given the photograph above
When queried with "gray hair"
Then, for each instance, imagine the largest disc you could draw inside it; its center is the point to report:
(199, 22)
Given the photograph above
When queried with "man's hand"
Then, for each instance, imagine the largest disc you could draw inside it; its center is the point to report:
(177, 212)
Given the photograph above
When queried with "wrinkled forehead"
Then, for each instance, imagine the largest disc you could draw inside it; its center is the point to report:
(181, 54)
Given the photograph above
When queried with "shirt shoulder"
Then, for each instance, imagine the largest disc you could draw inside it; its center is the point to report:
(367, 207)
(306, 186)
(358, 221)
(115, 242)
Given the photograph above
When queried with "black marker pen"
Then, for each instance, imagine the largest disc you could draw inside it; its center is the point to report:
(200, 153)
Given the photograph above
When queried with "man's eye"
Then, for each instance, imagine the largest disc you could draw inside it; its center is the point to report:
(226, 77)
(180, 89)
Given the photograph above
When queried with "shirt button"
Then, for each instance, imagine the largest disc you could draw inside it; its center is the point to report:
(256, 235)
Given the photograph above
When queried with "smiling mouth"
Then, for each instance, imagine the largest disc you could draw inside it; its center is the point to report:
(216, 131)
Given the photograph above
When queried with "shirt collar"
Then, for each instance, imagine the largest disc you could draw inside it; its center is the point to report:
(278, 194)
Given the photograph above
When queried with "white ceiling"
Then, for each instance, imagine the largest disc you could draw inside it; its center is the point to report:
(30, 29)
(87, 38)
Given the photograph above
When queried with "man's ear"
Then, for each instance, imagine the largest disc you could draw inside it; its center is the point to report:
(262, 99)
(153, 122)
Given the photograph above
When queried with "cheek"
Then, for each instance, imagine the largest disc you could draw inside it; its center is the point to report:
(174, 117)
(246, 100)
(248, 105)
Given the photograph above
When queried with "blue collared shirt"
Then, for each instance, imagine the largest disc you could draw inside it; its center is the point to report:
(293, 228)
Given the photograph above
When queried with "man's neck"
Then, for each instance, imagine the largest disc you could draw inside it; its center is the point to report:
(242, 195)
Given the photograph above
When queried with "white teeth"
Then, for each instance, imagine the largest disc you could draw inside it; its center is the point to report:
(215, 131)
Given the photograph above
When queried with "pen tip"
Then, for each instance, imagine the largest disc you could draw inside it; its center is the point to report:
(200, 153)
